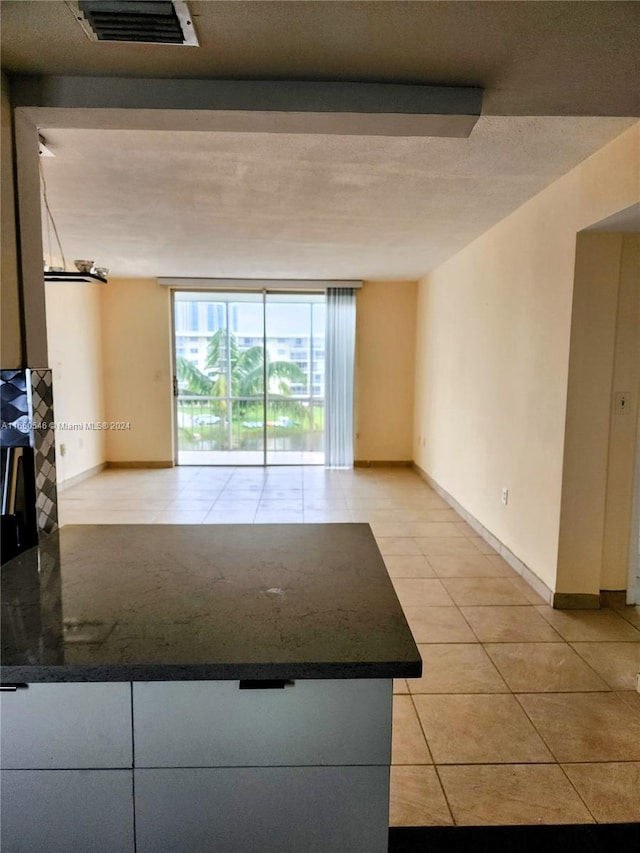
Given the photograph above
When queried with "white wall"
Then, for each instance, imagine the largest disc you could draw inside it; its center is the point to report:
(109, 349)
(75, 357)
(586, 439)
(492, 356)
(384, 377)
(136, 335)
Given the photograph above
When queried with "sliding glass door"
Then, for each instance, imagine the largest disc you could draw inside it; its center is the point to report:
(249, 378)
(294, 342)
(219, 354)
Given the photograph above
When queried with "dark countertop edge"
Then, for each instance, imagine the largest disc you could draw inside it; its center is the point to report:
(206, 672)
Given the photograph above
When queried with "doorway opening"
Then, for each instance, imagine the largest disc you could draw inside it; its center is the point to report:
(249, 373)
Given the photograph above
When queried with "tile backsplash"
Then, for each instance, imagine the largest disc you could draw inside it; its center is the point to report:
(26, 412)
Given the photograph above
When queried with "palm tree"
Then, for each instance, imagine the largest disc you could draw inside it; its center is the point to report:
(236, 373)
(221, 364)
(193, 383)
(191, 379)
(230, 372)
(241, 374)
(280, 374)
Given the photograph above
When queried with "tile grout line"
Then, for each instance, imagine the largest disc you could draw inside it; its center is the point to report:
(580, 797)
(431, 755)
(611, 687)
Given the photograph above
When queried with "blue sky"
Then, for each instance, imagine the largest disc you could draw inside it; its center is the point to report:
(284, 319)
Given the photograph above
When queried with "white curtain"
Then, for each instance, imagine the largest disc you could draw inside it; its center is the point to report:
(339, 367)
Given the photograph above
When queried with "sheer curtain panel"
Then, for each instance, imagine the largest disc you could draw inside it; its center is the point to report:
(339, 366)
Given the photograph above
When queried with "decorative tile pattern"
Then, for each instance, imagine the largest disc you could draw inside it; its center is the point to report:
(41, 394)
(15, 428)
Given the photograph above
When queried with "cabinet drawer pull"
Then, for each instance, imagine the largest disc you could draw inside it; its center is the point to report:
(273, 684)
(11, 688)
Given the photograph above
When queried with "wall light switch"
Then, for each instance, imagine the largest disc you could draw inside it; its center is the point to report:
(505, 496)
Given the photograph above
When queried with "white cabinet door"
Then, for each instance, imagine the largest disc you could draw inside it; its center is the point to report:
(215, 724)
(67, 811)
(263, 810)
(56, 726)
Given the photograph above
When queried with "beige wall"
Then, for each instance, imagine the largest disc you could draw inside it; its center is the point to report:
(136, 323)
(136, 339)
(10, 335)
(492, 357)
(623, 427)
(75, 357)
(384, 379)
(586, 439)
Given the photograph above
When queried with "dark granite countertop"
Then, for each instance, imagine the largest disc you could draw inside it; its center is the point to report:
(180, 602)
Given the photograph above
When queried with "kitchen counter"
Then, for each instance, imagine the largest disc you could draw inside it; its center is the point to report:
(223, 687)
(190, 602)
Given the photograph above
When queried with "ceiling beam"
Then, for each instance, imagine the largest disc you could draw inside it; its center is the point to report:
(363, 109)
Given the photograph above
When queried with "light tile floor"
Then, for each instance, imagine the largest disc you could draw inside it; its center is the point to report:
(524, 715)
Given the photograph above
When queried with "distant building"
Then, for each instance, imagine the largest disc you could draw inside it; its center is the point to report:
(196, 322)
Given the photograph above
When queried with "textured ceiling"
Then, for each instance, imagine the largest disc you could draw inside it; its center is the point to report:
(248, 205)
(230, 204)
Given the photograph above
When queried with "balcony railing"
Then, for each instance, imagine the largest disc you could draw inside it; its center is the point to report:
(293, 424)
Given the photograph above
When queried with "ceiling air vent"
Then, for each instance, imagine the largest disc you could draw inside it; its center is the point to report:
(151, 21)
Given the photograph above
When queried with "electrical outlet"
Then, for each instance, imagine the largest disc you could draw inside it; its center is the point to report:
(63, 449)
(505, 496)
(621, 402)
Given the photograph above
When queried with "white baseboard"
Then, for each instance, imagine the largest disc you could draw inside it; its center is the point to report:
(81, 477)
(508, 556)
